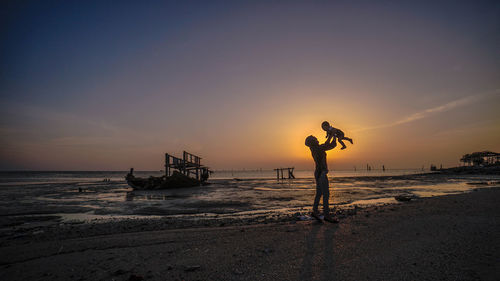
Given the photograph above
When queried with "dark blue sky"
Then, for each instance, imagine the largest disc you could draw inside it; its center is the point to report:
(80, 77)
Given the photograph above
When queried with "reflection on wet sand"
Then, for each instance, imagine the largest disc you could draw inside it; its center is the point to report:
(132, 195)
(223, 197)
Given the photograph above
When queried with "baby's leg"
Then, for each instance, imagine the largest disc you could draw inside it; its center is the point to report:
(342, 143)
(349, 139)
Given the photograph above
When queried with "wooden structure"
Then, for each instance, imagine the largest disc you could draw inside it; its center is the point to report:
(189, 165)
(280, 173)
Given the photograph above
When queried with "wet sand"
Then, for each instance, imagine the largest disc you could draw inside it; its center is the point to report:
(454, 237)
(53, 209)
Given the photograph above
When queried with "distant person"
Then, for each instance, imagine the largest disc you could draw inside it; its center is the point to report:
(331, 131)
(320, 174)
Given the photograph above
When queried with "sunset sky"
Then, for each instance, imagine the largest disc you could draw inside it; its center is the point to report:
(109, 85)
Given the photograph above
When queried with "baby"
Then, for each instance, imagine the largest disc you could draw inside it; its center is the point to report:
(334, 132)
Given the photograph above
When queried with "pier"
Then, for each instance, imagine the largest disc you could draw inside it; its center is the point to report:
(280, 173)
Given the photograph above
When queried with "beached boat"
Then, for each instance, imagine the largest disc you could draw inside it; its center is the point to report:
(178, 172)
(176, 180)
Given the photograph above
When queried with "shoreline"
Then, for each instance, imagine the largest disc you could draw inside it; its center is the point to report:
(23, 228)
(334, 174)
(453, 237)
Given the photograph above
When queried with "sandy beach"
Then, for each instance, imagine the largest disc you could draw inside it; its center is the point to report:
(454, 237)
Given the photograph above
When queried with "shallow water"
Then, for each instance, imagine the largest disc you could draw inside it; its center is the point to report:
(56, 194)
(34, 177)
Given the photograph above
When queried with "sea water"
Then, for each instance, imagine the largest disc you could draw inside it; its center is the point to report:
(103, 195)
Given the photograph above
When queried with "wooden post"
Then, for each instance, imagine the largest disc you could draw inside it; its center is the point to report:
(168, 174)
(184, 156)
(167, 160)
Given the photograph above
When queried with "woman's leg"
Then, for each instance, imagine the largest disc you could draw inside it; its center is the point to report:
(319, 192)
(317, 175)
(323, 186)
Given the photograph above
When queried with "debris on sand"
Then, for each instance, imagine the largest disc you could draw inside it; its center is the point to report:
(192, 268)
(134, 277)
(405, 197)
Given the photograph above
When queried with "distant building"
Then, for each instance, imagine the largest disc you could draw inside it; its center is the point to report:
(483, 158)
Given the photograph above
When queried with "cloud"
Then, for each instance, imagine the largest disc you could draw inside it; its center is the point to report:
(434, 110)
